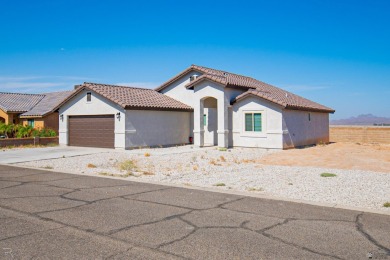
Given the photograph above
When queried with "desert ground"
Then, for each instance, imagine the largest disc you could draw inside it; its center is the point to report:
(351, 156)
(359, 173)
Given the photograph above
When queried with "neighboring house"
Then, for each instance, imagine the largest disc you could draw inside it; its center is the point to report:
(211, 106)
(36, 110)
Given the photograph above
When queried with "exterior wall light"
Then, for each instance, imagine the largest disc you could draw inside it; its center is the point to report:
(62, 117)
(118, 115)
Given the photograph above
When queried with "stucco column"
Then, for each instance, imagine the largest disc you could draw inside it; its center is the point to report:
(223, 126)
(198, 123)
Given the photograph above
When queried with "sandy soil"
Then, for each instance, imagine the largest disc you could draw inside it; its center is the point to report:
(369, 157)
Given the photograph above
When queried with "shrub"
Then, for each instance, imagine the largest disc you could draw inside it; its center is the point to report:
(147, 154)
(147, 173)
(254, 189)
(386, 204)
(7, 129)
(327, 174)
(222, 149)
(213, 162)
(220, 184)
(44, 132)
(127, 165)
(24, 131)
(90, 165)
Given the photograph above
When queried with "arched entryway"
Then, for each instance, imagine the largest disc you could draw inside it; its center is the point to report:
(2, 120)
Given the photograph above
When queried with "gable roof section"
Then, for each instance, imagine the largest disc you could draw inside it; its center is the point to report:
(47, 104)
(253, 86)
(285, 99)
(18, 102)
(131, 97)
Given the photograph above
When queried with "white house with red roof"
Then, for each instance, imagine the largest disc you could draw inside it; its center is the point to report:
(235, 110)
(202, 105)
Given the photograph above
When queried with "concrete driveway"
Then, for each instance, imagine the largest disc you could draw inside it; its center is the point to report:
(50, 215)
(34, 154)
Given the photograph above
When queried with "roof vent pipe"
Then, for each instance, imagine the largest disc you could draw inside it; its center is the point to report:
(193, 77)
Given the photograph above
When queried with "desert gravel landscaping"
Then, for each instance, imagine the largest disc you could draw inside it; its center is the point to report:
(336, 180)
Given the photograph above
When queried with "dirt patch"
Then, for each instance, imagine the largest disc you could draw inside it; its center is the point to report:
(370, 157)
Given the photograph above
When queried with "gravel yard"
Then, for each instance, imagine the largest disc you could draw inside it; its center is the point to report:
(240, 169)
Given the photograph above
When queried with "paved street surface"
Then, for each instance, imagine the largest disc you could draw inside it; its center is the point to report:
(48, 215)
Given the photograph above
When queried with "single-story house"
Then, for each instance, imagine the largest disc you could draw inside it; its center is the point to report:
(235, 110)
(208, 106)
(36, 110)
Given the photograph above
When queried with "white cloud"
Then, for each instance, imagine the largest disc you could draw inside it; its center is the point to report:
(39, 84)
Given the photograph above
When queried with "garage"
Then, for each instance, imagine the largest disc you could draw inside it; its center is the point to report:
(119, 117)
(92, 131)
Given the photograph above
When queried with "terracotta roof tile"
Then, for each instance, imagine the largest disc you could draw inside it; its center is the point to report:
(254, 87)
(131, 97)
(260, 89)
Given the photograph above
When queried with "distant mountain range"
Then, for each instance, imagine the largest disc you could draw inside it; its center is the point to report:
(367, 119)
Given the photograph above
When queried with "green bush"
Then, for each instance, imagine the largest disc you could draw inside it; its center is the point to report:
(128, 165)
(327, 174)
(24, 131)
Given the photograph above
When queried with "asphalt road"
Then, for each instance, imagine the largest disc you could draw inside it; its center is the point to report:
(48, 215)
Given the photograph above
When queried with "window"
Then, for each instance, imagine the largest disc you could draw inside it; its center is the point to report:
(253, 122)
(89, 96)
(30, 122)
(204, 119)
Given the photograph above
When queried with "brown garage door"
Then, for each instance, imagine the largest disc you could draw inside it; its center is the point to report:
(92, 131)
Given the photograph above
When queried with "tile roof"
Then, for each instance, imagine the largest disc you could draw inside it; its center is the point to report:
(18, 102)
(253, 86)
(131, 97)
(47, 104)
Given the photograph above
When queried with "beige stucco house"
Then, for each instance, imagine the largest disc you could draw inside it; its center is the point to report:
(203, 105)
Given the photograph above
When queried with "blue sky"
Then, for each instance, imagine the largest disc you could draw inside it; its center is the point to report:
(334, 52)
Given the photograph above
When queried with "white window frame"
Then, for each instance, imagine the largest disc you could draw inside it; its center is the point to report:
(262, 133)
(86, 97)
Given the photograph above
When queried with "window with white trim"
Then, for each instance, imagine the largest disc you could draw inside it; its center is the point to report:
(89, 96)
(253, 122)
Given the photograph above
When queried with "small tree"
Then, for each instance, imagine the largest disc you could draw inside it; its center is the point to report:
(24, 131)
(7, 129)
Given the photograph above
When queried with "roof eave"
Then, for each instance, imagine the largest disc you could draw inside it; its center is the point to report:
(245, 95)
(173, 79)
(192, 84)
(31, 116)
(159, 108)
(311, 109)
(79, 89)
